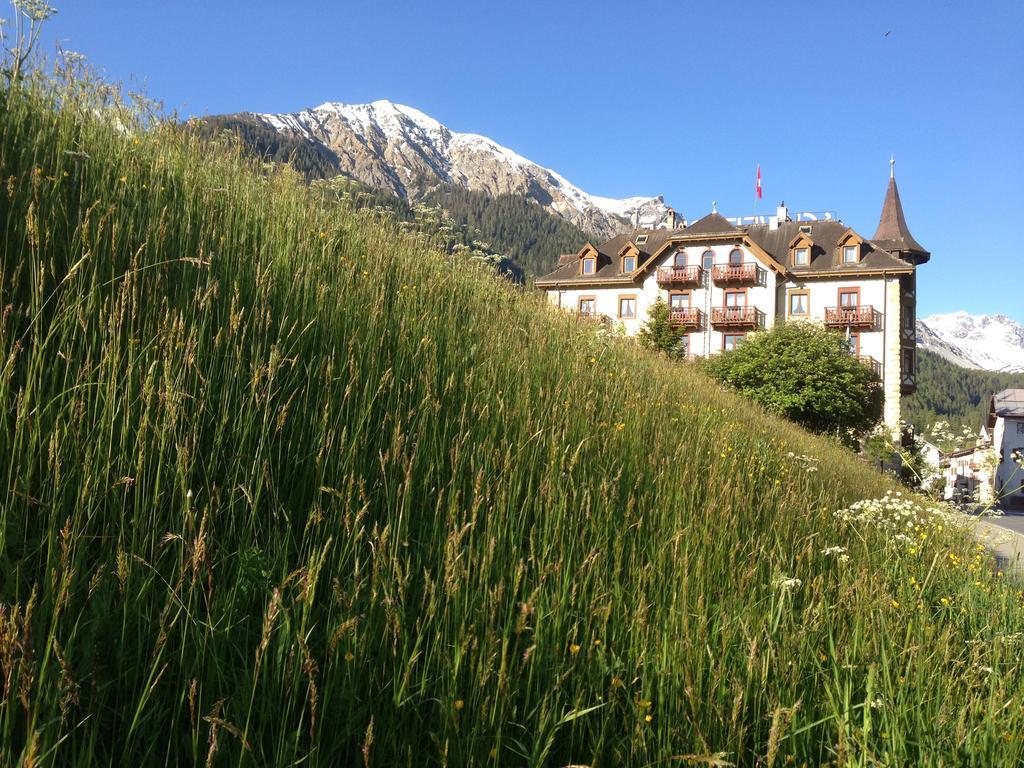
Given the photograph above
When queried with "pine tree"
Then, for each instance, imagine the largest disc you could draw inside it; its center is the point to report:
(659, 333)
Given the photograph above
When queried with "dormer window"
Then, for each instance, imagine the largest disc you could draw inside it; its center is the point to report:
(849, 247)
(806, 229)
(641, 239)
(800, 249)
(628, 263)
(589, 265)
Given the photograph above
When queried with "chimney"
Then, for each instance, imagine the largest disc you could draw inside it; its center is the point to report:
(670, 217)
(782, 213)
(636, 218)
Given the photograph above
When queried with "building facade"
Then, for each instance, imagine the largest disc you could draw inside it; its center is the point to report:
(724, 278)
(1006, 425)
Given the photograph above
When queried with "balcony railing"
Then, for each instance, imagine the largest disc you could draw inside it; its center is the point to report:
(736, 274)
(681, 276)
(736, 317)
(870, 362)
(863, 316)
(686, 317)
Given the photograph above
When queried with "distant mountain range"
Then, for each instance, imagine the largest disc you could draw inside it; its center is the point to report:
(408, 153)
(983, 342)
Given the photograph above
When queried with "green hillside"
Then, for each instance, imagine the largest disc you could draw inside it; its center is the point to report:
(284, 485)
(950, 393)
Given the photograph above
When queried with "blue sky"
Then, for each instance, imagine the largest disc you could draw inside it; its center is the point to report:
(678, 98)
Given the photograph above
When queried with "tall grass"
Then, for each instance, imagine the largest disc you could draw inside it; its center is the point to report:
(281, 486)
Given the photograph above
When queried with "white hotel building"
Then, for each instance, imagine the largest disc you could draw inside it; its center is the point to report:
(724, 278)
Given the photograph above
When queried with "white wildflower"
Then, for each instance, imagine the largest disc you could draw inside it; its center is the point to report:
(788, 583)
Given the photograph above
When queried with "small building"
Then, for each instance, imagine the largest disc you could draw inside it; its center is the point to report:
(725, 278)
(1005, 423)
(968, 476)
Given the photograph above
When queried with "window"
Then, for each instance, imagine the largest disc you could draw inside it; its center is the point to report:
(853, 343)
(641, 239)
(628, 263)
(908, 317)
(587, 306)
(849, 297)
(802, 257)
(736, 257)
(735, 298)
(731, 340)
(850, 254)
(588, 266)
(679, 300)
(799, 303)
(1020, 427)
(627, 307)
(684, 347)
(908, 362)
(708, 260)
(679, 260)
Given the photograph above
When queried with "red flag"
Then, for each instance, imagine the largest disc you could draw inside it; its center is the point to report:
(758, 190)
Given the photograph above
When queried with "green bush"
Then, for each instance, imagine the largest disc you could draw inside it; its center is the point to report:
(806, 373)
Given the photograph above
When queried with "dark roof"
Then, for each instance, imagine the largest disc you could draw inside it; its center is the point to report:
(893, 234)
(712, 224)
(1009, 402)
(609, 266)
(825, 256)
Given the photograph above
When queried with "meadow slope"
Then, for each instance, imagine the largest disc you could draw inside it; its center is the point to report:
(283, 486)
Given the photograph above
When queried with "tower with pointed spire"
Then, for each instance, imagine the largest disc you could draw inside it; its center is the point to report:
(894, 236)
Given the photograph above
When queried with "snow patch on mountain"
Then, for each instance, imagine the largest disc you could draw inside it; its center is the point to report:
(406, 151)
(985, 342)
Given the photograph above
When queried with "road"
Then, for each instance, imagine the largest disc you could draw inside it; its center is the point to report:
(1004, 535)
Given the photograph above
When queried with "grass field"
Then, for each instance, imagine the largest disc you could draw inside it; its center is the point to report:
(282, 486)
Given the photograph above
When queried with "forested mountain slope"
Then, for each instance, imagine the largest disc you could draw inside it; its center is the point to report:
(950, 393)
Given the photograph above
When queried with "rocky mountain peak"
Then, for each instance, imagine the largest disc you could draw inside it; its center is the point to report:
(986, 342)
(407, 152)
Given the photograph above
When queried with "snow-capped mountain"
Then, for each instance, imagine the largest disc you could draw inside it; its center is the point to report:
(407, 152)
(987, 342)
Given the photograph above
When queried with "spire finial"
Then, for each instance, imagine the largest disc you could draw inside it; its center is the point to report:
(714, 206)
(892, 167)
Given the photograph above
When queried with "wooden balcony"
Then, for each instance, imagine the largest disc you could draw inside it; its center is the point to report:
(686, 317)
(870, 362)
(863, 317)
(736, 317)
(736, 274)
(681, 277)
